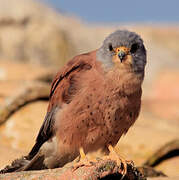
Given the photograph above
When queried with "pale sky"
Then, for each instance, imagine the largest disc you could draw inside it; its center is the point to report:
(117, 11)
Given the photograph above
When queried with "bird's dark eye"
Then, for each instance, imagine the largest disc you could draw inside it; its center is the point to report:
(110, 47)
(134, 48)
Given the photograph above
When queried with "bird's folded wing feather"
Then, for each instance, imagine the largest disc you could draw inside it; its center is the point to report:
(63, 89)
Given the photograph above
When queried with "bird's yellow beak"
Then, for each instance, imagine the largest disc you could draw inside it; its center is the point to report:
(121, 54)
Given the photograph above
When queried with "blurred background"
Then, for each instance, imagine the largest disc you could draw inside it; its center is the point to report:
(38, 37)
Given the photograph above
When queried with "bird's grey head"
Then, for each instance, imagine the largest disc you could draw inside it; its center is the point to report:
(125, 49)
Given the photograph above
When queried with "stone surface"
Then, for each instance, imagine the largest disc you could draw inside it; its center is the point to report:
(30, 32)
(98, 170)
(165, 178)
(158, 122)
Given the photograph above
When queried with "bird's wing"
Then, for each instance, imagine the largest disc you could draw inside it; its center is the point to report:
(63, 89)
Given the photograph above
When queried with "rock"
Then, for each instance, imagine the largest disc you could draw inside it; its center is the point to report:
(16, 75)
(164, 178)
(164, 100)
(17, 136)
(102, 169)
(30, 32)
(19, 132)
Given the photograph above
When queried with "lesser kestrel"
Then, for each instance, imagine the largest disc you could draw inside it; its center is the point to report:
(95, 98)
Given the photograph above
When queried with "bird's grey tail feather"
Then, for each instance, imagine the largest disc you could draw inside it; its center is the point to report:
(25, 164)
(15, 165)
(37, 163)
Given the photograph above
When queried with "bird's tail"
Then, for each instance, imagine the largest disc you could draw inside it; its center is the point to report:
(16, 165)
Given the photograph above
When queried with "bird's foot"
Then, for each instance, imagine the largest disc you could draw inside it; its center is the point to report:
(121, 162)
(84, 160)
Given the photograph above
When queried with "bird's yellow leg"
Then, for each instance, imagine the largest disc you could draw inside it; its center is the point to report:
(82, 154)
(84, 160)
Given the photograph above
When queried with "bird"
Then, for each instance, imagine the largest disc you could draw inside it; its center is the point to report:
(94, 100)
